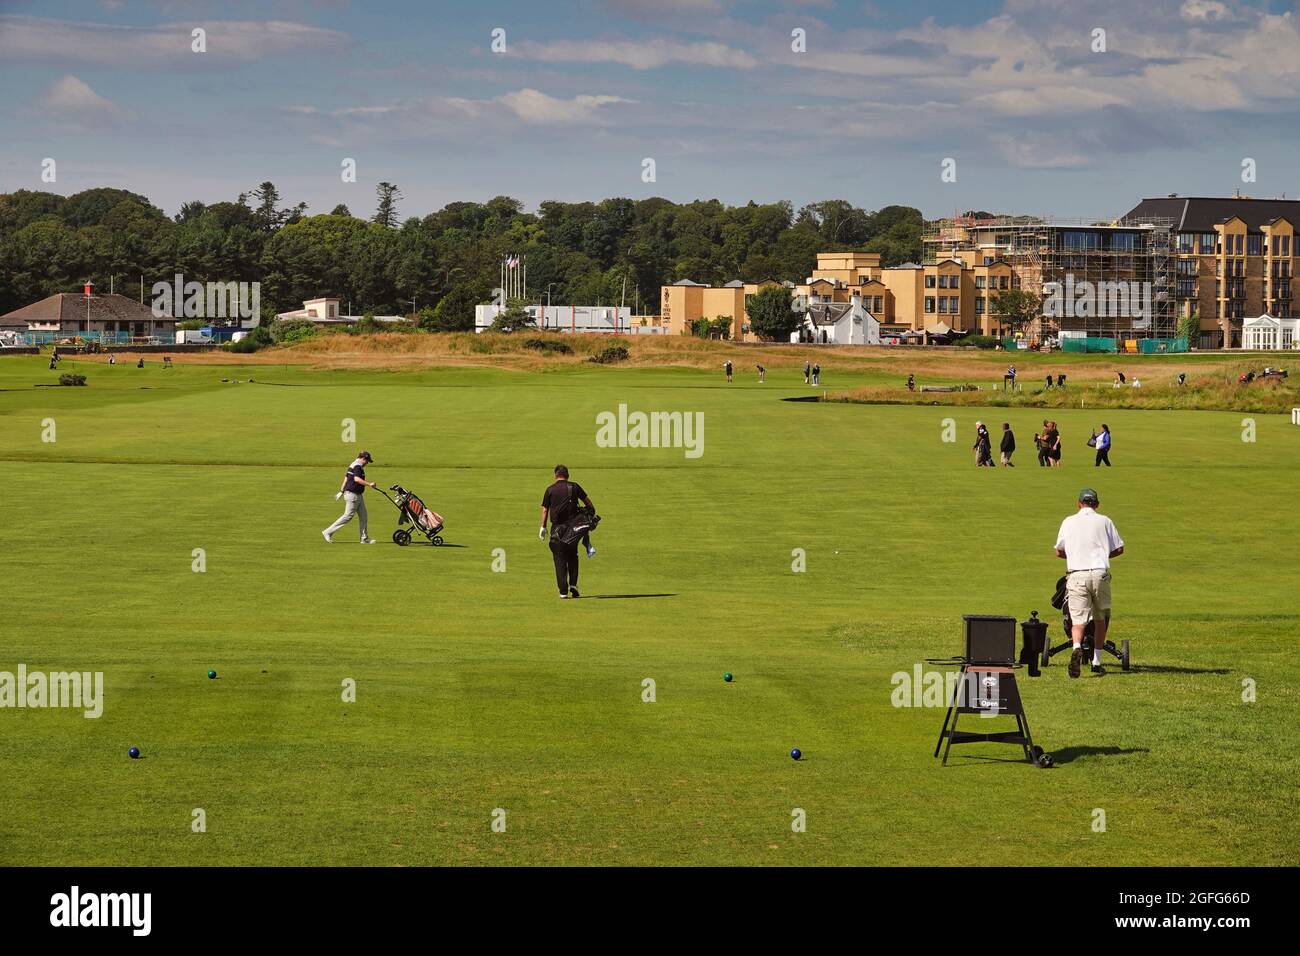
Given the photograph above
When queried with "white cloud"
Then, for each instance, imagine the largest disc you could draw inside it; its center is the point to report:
(638, 54)
(159, 47)
(72, 99)
(1204, 10)
(533, 106)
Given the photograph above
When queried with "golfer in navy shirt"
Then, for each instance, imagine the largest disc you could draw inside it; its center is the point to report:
(353, 487)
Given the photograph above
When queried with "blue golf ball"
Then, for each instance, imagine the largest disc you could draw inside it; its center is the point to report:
(212, 675)
(727, 677)
(796, 753)
(134, 753)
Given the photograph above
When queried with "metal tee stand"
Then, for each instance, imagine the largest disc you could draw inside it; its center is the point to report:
(989, 690)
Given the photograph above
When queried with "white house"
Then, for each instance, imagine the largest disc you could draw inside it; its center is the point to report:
(839, 323)
(572, 318)
(326, 312)
(1266, 333)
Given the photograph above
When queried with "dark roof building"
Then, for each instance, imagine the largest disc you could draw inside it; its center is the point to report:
(71, 313)
(1203, 213)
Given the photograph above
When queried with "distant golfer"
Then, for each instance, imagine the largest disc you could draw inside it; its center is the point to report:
(560, 504)
(727, 366)
(807, 371)
(817, 375)
(1087, 541)
(353, 487)
(1008, 446)
(762, 374)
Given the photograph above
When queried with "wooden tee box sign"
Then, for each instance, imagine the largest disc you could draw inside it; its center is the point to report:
(990, 639)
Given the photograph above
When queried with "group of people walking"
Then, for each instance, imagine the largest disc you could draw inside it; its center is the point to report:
(1047, 442)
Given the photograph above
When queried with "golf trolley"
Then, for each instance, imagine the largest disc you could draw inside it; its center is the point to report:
(1121, 653)
(414, 513)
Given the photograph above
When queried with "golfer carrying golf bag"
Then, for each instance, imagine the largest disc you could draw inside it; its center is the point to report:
(560, 503)
(1087, 541)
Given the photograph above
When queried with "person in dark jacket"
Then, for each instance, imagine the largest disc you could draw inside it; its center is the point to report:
(983, 446)
(560, 504)
(1008, 447)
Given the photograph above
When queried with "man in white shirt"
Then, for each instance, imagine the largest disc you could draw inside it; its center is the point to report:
(1087, 541)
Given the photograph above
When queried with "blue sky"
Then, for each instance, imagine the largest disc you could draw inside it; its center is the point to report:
(711, 90)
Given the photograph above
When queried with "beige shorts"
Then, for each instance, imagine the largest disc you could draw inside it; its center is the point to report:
(1088, 593)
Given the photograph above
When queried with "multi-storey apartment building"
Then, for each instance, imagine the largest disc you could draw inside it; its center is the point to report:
(1235, 258)
(1222, 260)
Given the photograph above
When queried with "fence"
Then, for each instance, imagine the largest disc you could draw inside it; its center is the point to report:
(76, 338)
(1089, 345)
(1160, 346)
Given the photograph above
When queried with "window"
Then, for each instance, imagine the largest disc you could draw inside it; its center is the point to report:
(929, 303)
(1187, 267)
(1124, 241)
(952, 304)
(929, 282)
(979, 282)
(1187, 288)
(1080, 241)
(1209, 243)
(1254, 245)
(880, 304)
(988, 260)
(1186, 242)
(979, 305)
(1240, 243)
(943, 303)
(1002, 282)
(1284, 245)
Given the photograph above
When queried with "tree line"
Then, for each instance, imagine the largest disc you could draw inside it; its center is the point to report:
(435, 268)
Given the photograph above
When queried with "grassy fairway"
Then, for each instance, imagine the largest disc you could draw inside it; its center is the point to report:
(479, 690)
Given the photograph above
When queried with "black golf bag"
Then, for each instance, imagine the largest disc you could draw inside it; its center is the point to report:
(1060, 602)
(576, 528)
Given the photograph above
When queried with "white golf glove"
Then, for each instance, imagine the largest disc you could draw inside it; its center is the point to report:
(541, 533)
(338, 495)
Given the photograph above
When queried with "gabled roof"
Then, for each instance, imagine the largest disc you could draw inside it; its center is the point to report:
(734, 284)
(701, 285)
(828, 313)
(76, 307)
(1203, 213)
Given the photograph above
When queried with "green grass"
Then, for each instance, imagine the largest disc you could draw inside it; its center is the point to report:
(479, 690)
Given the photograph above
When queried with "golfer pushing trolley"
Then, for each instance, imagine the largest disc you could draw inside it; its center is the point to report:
(353, 487)
(1087, 541)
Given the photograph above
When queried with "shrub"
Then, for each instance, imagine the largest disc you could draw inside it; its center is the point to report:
(979, 341)
(615, 353)
(548, 348)
(288, 331)
(69, 378)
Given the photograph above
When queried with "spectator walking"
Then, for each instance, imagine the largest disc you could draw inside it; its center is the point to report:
(1008, 446)
(1053, 437)
(817, 375)
(1102, 443)
(983, 447)
(807, 371)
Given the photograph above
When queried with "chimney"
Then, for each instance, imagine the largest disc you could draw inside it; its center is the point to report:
(89, 289)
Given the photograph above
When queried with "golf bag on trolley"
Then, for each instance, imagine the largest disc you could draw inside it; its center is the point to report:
(1062, 604)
